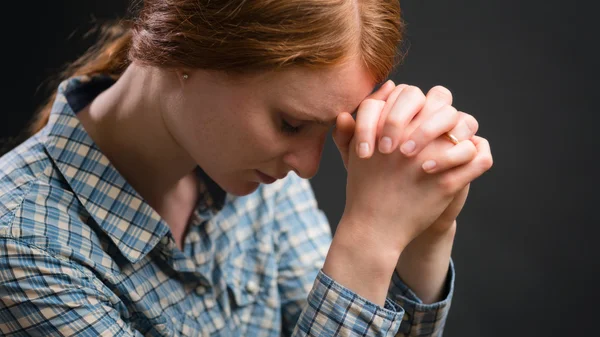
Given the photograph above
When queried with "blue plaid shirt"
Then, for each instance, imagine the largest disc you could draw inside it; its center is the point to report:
(82, 253)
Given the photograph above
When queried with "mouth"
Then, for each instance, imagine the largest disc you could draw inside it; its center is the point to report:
(265, 178)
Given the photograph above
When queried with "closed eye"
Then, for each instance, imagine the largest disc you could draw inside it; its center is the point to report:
(288, 128)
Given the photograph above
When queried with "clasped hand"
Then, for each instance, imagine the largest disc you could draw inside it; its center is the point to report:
(404, 177)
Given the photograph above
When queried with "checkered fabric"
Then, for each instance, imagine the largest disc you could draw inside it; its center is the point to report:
(83, 254)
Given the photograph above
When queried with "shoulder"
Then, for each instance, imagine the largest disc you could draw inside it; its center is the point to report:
(20, 168)
(38, 208)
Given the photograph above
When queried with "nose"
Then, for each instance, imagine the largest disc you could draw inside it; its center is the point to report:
(305, 157)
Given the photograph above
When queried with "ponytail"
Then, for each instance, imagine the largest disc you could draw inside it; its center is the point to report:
(109, 55)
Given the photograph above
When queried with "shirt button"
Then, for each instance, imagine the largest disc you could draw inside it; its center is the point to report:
(200, 290)
(252, 287)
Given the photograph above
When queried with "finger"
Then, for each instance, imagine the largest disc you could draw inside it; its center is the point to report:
(384, 91)
(466, 127)
(460, 154)
(436, 98)
(344, 129)
(388, 97)
(366, 126)
(389, 103)
(409, 102)
(381, 94)
(342, 134)
(460, 176)
(442, 121)
(345, 124)
(484, 159)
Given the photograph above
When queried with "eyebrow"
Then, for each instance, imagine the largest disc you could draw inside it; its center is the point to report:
(320, 121)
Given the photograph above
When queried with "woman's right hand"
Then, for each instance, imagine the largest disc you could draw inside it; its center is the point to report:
(399, 180)
(389, 198)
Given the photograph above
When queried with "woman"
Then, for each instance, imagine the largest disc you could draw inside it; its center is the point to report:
(155, 196)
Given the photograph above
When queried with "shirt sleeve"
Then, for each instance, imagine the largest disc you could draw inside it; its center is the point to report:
(41, 295)
(313, 304)
(421, 319)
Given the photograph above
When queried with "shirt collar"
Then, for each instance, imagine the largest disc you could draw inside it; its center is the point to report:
(116, 207)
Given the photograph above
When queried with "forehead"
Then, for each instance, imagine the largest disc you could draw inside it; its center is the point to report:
(323, 93)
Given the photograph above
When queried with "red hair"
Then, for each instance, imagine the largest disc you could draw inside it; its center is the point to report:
(244, 36)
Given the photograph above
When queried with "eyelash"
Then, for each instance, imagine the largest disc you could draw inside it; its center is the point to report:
(289, 129)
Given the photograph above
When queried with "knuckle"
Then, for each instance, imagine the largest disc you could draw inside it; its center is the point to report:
(471, 149)
(466, 154)
(393, 122)
(486, 162)
(440, 93)
(415, 93)
(448, 184)
(362, 131)
(393, 96)
(426, 131)
(451, 111)
(485, 144)
(371, 102)
(471, 122)
(399, 88)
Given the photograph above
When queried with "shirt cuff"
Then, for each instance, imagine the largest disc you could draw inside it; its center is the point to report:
(427, 319)
(334, 310)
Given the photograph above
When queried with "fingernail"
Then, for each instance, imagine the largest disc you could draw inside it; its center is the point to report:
(408, 147)
(385, 145)
(429, 165)
(363, 149)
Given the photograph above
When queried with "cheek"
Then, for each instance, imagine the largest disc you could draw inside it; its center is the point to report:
(205, 133)
(270, 143)
(232, 133)
(260, 133)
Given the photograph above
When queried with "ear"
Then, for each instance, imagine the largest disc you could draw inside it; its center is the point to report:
(182, 75)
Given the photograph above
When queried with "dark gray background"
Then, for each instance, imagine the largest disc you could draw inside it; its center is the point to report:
(525, 251)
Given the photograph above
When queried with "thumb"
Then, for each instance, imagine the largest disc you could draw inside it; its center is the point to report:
(342, 135)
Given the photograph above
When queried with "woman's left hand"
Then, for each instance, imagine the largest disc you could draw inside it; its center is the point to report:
(422, 124)
(424, 262)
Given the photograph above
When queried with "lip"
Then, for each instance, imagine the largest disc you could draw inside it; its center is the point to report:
(265, 178)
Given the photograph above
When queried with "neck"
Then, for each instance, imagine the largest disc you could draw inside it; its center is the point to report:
(126, 122)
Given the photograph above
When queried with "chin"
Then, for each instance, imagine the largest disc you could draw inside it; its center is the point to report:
(240, 189)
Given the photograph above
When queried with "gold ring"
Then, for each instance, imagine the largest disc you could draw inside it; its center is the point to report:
(451, 137)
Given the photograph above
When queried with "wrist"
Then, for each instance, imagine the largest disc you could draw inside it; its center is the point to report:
(370, 230)
(423, 265)
(430, 242)
(378, 256)
(360, 263)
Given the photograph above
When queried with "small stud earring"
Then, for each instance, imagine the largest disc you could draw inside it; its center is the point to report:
(185, 76)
